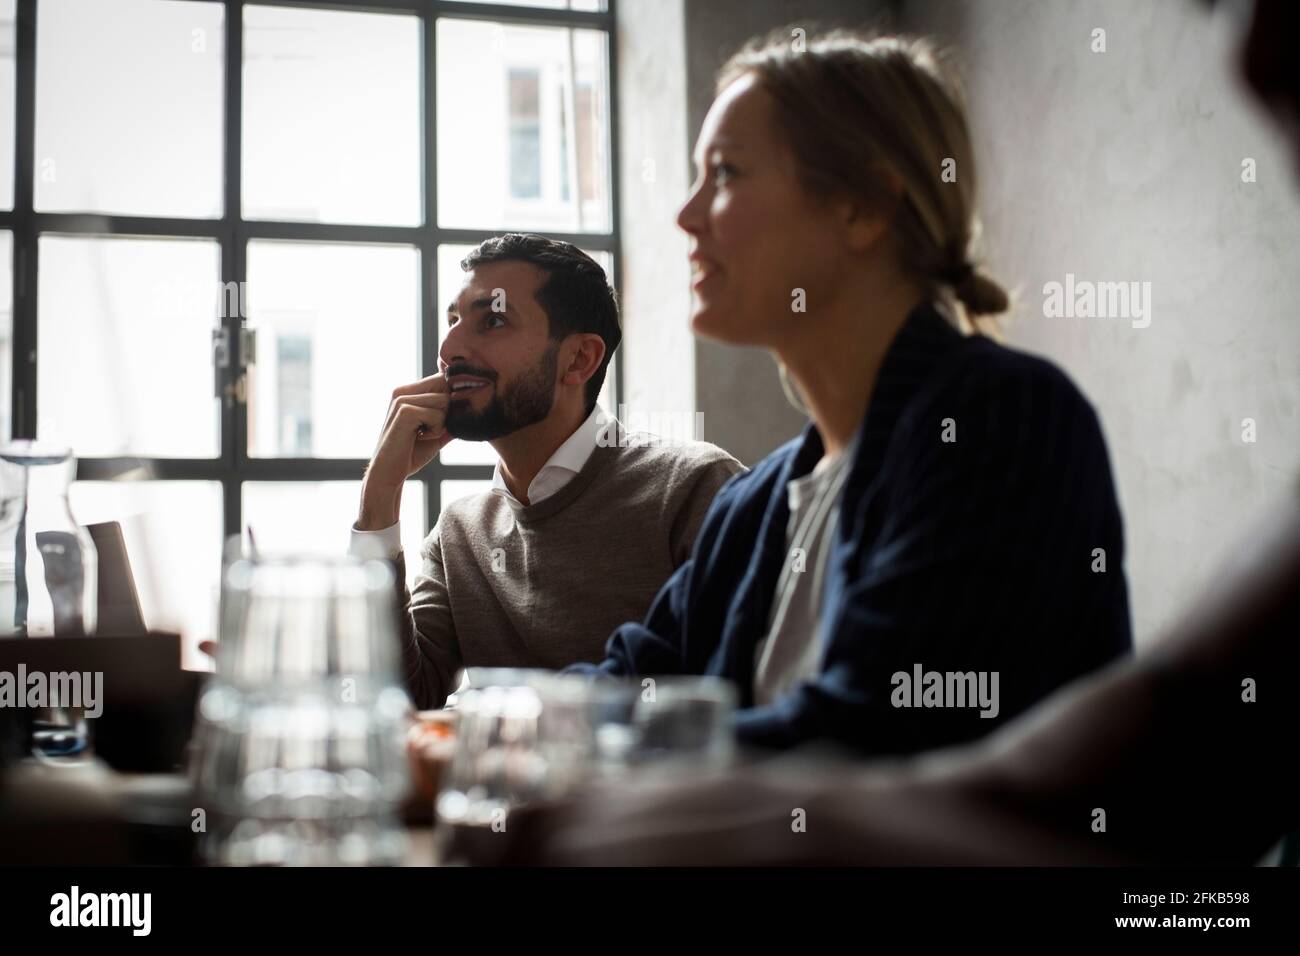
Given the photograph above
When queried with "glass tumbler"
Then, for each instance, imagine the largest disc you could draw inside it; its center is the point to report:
(300, 757)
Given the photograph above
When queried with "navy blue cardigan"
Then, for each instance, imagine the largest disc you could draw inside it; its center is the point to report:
(984, 552)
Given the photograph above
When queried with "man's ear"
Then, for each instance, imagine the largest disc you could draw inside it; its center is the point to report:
(581, 357)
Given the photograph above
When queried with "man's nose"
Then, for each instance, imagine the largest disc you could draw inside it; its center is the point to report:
(451, 350)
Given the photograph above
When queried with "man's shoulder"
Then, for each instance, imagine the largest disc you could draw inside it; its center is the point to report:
(676, 458)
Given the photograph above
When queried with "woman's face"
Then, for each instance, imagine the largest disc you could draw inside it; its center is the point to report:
(765, 253)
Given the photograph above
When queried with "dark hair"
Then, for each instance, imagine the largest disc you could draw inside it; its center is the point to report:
(576, 295)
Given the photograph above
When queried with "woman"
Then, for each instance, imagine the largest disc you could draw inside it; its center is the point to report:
(941, 547)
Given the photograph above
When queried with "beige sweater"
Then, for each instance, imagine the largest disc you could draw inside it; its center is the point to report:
(545, 586)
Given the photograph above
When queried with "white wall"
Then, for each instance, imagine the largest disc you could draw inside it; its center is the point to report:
(1126, 165)
(658, 349)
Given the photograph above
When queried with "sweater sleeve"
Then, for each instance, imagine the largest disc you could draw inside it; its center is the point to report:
(660, 644)
(998, 495)
(430, 650)
(691, 501)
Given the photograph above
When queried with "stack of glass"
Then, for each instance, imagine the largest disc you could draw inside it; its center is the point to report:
(299, 741)
(524, 737)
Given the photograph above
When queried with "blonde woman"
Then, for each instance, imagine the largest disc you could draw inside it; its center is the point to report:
(941, 547)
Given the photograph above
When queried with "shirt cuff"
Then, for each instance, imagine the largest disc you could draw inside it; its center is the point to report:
(384, 543)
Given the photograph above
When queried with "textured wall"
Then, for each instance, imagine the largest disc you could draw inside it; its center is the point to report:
(1115, 166)
(1126, 166)
(658, 349)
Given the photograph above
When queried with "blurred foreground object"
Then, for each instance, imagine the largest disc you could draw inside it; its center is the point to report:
(300, 732)
(1188, 752)
(529, 737)
(47, 571)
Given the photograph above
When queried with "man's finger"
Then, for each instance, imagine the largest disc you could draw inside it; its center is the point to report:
(436, 382)
(438, 400)
(411, 418)
(425, 400)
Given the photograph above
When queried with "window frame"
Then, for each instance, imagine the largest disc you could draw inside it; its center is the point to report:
(232, 232)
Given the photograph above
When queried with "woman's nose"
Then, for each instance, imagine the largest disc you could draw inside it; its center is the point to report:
(689, 217)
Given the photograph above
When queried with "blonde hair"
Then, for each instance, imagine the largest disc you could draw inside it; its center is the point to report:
(865, 114)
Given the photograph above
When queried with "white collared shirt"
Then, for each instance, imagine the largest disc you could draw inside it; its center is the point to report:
(569, 459)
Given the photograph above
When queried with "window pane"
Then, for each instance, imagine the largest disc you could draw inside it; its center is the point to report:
(450, 490)
(450, 277)
(8, 46)
(591, 5)
(124, 339)
(331, 126)
(173, 540)
(129, 107)
(316, 517)
(523, 127)
(6, 330)
(338, 329)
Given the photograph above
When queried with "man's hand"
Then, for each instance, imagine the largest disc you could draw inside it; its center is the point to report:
(413, 433)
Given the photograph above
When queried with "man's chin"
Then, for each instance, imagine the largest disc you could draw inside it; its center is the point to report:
(474, 427)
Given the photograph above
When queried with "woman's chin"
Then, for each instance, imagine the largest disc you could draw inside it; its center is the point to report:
(720, 326)
(706, 322)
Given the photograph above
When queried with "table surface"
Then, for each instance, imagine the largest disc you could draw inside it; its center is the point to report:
(83, 811)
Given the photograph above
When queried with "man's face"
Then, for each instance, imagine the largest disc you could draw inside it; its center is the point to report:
(498, 356)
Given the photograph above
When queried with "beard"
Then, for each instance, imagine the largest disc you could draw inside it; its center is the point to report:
(526, 402)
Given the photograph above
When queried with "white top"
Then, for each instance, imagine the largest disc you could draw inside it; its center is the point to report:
(559, 470)
(790, 653)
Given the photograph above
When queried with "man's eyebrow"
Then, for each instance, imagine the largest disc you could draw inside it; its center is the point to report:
(484, 302)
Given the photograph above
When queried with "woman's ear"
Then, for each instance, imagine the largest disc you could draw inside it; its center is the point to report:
(866, 221)
(863, 226)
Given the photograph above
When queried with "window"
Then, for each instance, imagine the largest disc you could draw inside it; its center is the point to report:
(229, 229)
(293, 393)
(517, 107)
(525, 136)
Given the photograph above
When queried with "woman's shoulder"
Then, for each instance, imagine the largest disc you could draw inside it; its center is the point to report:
(993, 396)
(993, 373)
(763, 476)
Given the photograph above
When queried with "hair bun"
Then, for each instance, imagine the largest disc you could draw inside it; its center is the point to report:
(980, 294)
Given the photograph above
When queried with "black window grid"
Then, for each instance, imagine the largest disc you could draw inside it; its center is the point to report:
(232, 232)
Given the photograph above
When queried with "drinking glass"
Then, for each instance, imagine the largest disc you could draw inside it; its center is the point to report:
(525, 736)
(300, 732)
(48, 572)
(662, 725)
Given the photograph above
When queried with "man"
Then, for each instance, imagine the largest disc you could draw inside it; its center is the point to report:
(583, 523)
(1184, 755)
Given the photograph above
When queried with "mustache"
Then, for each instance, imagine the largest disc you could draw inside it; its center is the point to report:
(460, 368)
